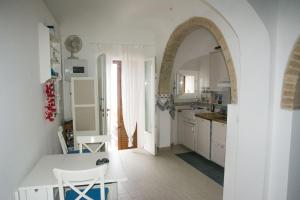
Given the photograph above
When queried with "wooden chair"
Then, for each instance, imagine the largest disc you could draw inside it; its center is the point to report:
(63, 144)
(82, 184)
(96, 141)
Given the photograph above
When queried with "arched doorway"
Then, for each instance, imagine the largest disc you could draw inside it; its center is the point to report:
(290, 98)
(176, 39)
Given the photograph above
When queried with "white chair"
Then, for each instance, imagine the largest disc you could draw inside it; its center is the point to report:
(65, 149)
(97, 142)
(82, 184)
(62, 140)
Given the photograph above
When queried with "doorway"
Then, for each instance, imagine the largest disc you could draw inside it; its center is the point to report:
(131, 72)
(205, 136)
(117, 127)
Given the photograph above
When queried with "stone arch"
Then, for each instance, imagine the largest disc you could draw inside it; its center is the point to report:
(290, 98)
(176, 39)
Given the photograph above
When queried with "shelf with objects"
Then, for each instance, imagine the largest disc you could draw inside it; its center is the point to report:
(55, 54)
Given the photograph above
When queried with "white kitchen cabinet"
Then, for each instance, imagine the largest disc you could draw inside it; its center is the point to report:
(188, 134)
(203, 137)
(219, 132)
(44, 53)
(36, 194)
(218, 143)
(218, 70)
(204, 72)
(218, 153)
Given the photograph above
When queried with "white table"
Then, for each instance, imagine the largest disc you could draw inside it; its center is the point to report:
(40, 182)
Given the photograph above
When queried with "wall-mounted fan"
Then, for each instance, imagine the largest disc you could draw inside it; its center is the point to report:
(73, 44)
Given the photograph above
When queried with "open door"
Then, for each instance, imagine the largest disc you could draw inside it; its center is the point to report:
(150, 133)
(103, 111)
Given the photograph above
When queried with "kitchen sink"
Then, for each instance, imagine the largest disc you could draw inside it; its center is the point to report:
(212, 116)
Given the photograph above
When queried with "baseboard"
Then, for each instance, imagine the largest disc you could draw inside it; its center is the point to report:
(164, 148)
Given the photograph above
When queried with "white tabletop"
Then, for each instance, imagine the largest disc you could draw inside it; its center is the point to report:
(42, 175)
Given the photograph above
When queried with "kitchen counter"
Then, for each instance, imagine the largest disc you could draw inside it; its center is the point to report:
(213, 117)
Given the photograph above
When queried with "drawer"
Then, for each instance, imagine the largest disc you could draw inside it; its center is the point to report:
(35, 194)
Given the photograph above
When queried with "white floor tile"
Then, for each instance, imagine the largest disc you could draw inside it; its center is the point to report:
(164, 177)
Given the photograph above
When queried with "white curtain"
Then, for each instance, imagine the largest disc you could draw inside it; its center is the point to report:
(132, 58)
(132, 82)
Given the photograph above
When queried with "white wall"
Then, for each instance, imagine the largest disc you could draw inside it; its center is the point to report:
(293, 192)
(198, 43)
(164, 129)
(247, 178)
(25, 134)
(281, 18)
(288, 31)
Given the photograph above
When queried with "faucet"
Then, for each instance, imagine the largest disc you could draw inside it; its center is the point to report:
(212, 107)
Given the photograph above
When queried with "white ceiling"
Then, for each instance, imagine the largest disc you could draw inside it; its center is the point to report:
(105, 9)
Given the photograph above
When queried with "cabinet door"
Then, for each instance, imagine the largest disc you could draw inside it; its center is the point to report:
(203, 138)
(204, 72)
(179, 128)
(219, 132)
(85, 106)
(44, 53)
(37, 194)
(218, 69)
(218, 153)
(218, 148)
(189, 135)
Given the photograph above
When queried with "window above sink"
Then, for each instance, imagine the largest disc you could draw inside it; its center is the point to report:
(186, 82)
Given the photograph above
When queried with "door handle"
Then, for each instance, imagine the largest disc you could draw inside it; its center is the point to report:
(102, 110)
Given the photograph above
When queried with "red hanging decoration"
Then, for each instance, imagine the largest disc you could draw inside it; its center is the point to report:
(50, 106)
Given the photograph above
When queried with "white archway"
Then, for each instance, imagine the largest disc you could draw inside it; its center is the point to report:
(246, 159)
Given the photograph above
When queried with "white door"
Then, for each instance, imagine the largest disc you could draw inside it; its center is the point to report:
(150, 135)
(85, 106)
(103, 112)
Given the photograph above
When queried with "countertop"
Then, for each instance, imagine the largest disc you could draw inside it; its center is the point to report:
(213, 117)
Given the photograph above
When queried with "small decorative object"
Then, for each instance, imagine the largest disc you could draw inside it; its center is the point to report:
(50, 106)
(102, 161)
(54, 73)
(68, 131)
(166, 102)
(73, 44)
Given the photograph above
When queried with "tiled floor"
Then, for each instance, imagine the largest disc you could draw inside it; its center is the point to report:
(164, 177)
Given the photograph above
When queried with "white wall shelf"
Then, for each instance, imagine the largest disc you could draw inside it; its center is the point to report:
(49, 54)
